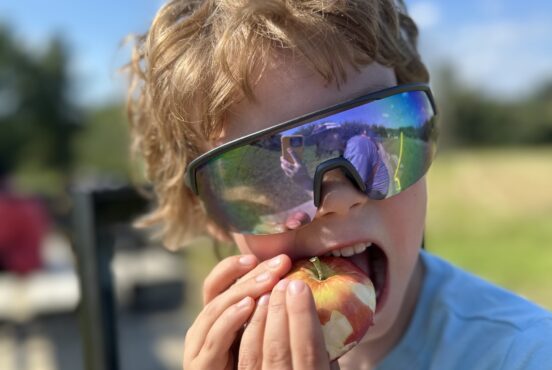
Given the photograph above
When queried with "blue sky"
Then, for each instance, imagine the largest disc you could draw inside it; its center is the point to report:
(501, 46)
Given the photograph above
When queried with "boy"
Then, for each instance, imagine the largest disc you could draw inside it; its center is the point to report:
(235, 76)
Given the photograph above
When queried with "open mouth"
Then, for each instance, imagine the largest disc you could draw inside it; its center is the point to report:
(371, 259)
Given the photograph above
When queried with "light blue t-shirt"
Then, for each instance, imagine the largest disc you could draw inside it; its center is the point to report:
(464, 323)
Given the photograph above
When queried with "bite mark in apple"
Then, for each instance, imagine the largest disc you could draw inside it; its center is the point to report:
(345, 300)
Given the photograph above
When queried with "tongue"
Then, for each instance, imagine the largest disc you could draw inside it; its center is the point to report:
(361, 261)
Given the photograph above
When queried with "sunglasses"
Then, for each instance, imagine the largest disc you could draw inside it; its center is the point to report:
(270, 181)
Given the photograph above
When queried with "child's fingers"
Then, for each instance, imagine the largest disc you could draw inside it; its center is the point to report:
(251, 286)
(308, 349)
(217, 344)
(225, 273)
(251, 345)
(214, 309)
(236, 268)
(277, 266)
(286, 164)
(276, 351)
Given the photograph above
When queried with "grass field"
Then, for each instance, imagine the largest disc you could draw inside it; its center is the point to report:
(489, 211)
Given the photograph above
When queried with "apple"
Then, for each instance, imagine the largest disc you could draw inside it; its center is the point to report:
(345, 300)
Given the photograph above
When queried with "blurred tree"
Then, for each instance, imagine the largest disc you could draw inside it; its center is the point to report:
(9, 100)
(37, 118)
(471, 118)
(102, 147)
(541, 109)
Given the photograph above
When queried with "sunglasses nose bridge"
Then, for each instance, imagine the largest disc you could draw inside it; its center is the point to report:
(331, 164)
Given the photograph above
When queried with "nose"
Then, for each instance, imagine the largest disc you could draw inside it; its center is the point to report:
(338, 194)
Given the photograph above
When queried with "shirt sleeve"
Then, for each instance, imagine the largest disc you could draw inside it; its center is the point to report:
(532, 348)
(359, 154)
(364, 155)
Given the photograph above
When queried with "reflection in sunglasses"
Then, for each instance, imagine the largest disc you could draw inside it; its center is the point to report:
(396, 176)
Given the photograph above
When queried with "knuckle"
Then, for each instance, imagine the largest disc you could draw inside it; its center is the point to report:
(277, 307)
(255, 321)
(208, 284)
(209, 344)
(211, 309)
(310, 355)
(248, 359)
(276, 354)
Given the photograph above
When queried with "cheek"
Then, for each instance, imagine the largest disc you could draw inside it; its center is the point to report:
(403, 218)
(405, 214)
(264, 246)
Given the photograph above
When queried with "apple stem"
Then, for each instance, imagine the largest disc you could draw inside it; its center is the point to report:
(316, 262)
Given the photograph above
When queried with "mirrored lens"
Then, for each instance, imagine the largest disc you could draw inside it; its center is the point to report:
(266, 185)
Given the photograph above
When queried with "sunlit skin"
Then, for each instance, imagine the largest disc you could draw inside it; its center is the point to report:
(283, 330)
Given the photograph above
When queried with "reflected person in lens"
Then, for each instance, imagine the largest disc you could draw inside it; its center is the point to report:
(363, 151)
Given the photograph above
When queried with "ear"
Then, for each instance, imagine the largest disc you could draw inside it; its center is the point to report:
(218, 233)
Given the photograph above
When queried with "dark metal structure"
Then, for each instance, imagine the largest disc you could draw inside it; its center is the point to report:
(95, 214)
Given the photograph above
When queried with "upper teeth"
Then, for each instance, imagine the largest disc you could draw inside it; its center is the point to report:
(351, 250)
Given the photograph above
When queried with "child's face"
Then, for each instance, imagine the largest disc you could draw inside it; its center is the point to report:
(345, 215)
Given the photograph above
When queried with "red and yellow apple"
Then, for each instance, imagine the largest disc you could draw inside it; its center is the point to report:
(345, 300)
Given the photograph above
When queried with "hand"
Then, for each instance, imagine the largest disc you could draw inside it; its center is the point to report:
(229, 295)
(296, 170)
(284, 332)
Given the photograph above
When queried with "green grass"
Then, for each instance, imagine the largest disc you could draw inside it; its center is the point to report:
(489, 211)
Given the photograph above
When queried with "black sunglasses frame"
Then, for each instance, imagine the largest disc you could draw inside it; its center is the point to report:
(191, 180)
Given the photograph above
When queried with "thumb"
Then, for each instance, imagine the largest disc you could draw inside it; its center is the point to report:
(293, 155)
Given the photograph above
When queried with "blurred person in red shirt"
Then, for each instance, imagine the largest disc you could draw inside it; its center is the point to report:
(23, 225)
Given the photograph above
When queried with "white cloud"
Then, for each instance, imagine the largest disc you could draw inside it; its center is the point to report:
(426, 14)
(502, 57)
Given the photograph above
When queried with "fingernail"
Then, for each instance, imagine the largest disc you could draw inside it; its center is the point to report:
(293, 224)
(296, 287)
(263, 301)
(244, 302)
(281, 286)
(262, 277)
(247, 260)
(275, 262)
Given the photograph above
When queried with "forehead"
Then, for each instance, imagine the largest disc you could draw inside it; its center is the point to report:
(288, 90)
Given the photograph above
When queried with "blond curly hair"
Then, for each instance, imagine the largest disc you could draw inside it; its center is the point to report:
(200, 57)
